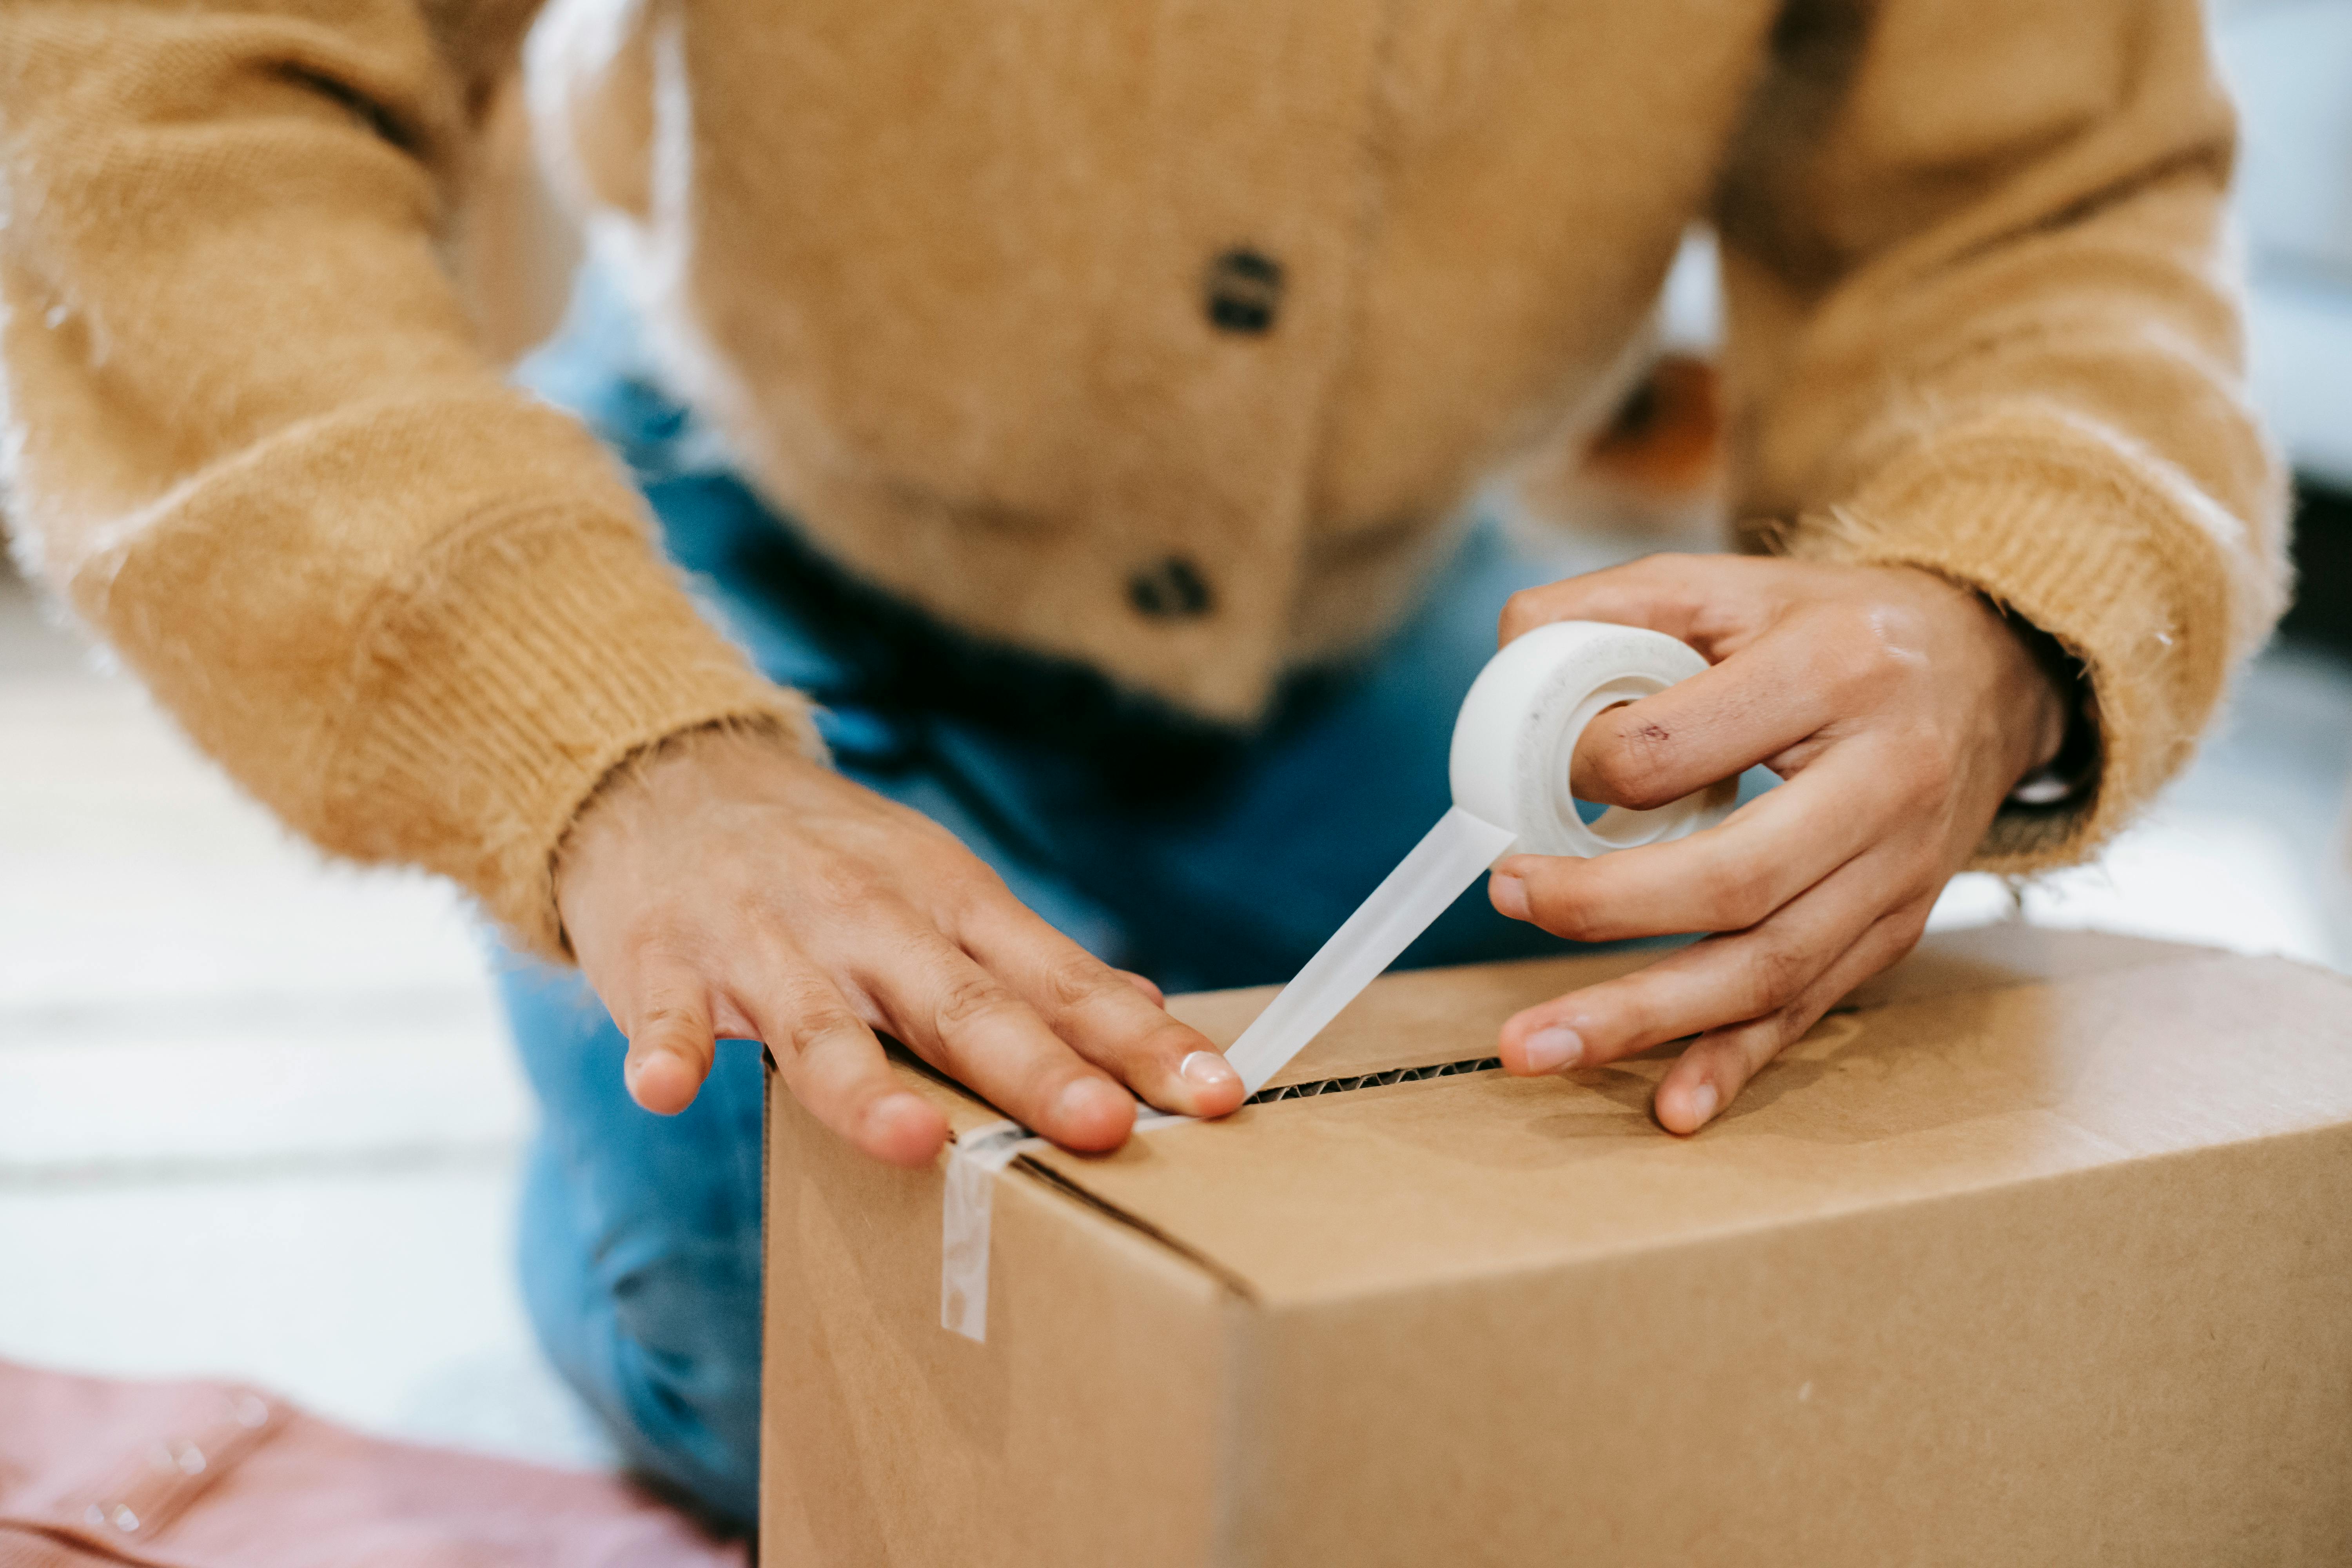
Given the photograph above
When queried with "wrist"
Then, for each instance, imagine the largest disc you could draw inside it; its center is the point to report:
(2059, 738)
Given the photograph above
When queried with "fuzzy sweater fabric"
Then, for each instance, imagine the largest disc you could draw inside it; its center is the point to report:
(1165, 335)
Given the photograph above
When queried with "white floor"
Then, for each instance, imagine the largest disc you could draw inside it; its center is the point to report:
(257, 1118)
(256, 1114)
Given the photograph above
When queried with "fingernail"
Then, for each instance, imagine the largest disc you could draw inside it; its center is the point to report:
(1510, 896)
(1208, 1069)
(1554, 1050)
(1702, 1105)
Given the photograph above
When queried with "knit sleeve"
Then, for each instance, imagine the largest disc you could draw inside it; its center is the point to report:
(249, 436)
(1981, 322)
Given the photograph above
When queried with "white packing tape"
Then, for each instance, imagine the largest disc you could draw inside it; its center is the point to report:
(1513, 741)
(973, 1165)
(1449, 858)
(1518, 728)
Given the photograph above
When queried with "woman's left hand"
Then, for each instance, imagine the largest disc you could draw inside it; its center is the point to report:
(1900, 708)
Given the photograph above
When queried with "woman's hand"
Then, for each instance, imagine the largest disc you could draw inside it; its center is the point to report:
(730, 887)
(1900, 708)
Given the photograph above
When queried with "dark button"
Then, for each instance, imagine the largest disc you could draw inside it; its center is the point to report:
(1243, 288)
(1172, 590)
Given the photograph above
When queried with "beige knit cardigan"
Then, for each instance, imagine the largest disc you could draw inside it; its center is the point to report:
(1160, 334)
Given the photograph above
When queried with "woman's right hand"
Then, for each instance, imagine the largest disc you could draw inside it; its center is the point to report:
(730, 887)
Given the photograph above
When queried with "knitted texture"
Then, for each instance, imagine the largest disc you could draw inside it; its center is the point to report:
(1160, 336)
(415, 613)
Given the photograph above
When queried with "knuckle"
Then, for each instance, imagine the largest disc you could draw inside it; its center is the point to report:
(1077, 979)
(1777, 973)
(835, 883)
(971, 999)
(1637, 753)
(819, 1022)
(803, 997)
(1611, 768)
(1772, 1032)
(970, 888)
(1167, 1043)
(670, 1022)
(1849, 669)
(1561, 912)
(1863, 657)
(650, 939)
(1634, 1018)
(1522, 612)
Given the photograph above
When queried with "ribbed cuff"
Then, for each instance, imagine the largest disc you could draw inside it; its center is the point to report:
(2102, 548)
(529, 656)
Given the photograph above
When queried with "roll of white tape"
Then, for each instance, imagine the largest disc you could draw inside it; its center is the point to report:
(1513, 741)
(1517, 730)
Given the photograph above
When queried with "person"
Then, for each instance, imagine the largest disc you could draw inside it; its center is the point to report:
(1059, 420)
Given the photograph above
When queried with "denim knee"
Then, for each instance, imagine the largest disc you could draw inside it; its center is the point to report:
(640, 1242)
(657, 1328)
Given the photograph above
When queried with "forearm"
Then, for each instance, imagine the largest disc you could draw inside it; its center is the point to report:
(1999, 341)
(254, 443)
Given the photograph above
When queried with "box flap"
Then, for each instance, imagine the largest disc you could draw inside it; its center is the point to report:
(1415, 1019)
(1990, 1058)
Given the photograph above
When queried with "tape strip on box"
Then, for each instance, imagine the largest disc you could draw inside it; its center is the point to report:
(972, 1166)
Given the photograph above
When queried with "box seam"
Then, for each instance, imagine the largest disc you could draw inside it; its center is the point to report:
(1233, 1284)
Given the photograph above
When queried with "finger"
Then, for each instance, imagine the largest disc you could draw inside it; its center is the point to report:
(1100, 1012)
(1755, 705)
(835, 1067)
(1145, 983)
(671, 1038)
(1707, 1076)
(1711, 602)
(968, 1023)
(1725, 877)
(1724, 980)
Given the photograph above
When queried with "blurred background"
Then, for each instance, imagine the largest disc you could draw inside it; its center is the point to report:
(256, 1114)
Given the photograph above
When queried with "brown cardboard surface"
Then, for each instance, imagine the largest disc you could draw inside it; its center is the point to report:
(891, 1439)
(1422, 1182)
(2144, 1365)
(2036, 1252)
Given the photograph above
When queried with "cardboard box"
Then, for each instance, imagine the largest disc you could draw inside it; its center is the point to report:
(2039, 1250)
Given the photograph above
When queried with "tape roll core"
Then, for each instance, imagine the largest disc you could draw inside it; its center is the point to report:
(1516, 737)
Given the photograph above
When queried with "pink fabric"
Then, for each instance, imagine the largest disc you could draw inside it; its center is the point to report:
(214, 1475)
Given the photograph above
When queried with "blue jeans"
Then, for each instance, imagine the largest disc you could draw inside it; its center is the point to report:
(1198, 859)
